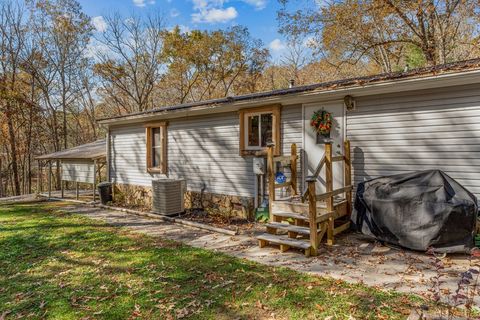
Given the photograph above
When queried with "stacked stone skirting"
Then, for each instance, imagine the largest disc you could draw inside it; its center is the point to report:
(225, 205)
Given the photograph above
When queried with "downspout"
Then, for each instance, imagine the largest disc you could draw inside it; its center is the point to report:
(108, 154)
(107, 160)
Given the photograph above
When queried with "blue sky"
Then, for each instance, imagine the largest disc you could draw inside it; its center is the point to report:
(258, 15)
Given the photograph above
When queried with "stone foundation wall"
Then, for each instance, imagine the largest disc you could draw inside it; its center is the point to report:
(225, 205)
(127, 195)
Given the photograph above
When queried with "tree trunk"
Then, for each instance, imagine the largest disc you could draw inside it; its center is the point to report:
(13, 150)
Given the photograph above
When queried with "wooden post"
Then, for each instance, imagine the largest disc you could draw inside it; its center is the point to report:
(271, 179)
(58, 176)
(38, 177)
(293, 168)
(348, 175)
(312, 214)
(94, 179)
(329, 187)
(62, 183)
(76, 190)
(49, 178)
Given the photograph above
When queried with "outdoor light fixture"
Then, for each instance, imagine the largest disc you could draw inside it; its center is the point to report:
(349, 102)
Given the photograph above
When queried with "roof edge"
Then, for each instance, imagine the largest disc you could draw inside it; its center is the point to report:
(452, 69)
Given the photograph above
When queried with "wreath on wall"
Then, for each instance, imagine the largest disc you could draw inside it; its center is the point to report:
(321, 122)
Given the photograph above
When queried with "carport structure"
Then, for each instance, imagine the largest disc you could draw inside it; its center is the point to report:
(80, 164)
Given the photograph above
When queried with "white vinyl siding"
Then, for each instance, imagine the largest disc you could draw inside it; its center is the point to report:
(80, 171)
(291, 132)
(203, 150)
(418, 130)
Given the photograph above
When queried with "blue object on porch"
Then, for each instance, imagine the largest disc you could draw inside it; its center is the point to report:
(280, 177)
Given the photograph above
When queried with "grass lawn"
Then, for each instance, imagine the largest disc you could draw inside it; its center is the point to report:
(61, 266)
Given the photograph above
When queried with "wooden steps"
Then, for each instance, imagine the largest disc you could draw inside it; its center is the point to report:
(288, 227)
(291, 215)
(298, 216)
(314, 216)
(284, 242)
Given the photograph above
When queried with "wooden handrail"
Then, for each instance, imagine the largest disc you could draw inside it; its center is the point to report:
(282, 185)
(271, 179)
(283, 158)
(319, 167)
(314, 176)
(312, 217)
(271, 161)
(293, 169)
(329, 188)
(326, 195)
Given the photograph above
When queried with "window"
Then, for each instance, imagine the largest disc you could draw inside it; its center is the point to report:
(156, 134)
(258, 127)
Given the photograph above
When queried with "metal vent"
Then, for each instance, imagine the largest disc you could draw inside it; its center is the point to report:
(168, 196)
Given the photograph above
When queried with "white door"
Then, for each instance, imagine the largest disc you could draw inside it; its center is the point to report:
(314, 147)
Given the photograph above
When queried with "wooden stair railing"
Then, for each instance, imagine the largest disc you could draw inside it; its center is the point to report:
(271, 166)
(329, 195)
(321, 212)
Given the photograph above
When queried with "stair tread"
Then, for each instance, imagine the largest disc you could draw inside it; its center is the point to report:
(336, 201)
(321, 216)
(278, 239)
(287, 214)
(289, 227)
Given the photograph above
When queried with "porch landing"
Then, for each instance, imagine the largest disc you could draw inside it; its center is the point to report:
(353, 258)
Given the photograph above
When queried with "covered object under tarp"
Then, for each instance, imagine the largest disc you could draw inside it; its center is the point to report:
(421, 211)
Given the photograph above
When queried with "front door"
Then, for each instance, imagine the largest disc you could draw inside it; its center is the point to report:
(314, 145)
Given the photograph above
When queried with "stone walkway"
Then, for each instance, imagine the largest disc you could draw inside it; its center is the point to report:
(354, 258)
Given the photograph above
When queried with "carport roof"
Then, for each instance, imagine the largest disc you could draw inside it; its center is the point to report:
(90, 151)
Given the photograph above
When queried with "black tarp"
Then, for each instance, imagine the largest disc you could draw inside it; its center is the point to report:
(420, 210)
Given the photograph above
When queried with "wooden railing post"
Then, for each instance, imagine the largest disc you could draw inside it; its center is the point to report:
(329, 187)
(39, 177)
(293, 167)
(271, 179)
(312, 214)
(348, 175)
(49, 179)
(94, 180)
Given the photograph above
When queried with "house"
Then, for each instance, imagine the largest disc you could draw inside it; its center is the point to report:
(420, 119)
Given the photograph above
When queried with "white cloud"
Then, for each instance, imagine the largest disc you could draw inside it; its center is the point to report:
(96, 48)
(99, 23)
(310, 42)
(174, 13)
(215, 15)
(277, 45)
(258, 4)
(142, 3)
(183, 28)
(212, 11)
(205, 4)
(139, 3)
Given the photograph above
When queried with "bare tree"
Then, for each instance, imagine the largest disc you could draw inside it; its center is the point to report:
(12, 44)
(132, 63)
(61, 34)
